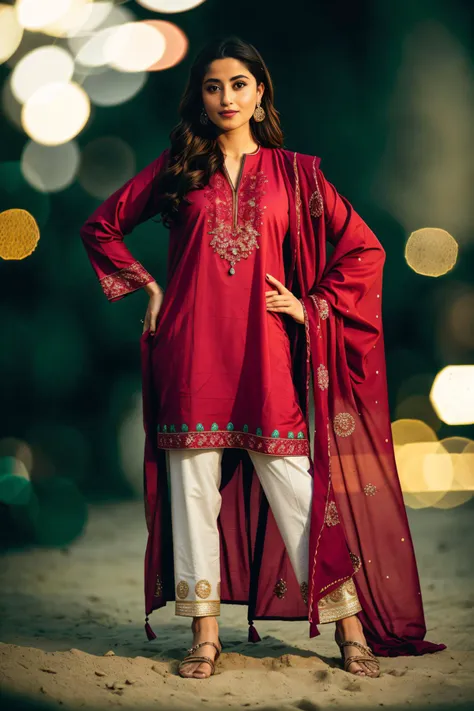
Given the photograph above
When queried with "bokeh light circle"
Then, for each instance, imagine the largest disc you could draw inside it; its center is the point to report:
(452, 394)
(170, 6)
(19, 234)
(431, 251)
(42, 66)
(106, 164)
(111, 88)
(11, 32)
(35, 14)
(56, 113)
(50, 168)
(176, 45)
(134, 47)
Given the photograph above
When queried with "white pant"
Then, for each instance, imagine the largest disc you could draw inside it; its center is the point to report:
(195, 504)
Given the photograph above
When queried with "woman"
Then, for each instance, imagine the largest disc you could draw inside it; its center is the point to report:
(238, 508)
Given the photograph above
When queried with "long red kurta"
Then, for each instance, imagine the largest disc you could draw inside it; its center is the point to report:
(221, 360)
(359, 529)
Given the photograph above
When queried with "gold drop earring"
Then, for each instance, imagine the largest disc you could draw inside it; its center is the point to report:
(204, 118)
(259, 113)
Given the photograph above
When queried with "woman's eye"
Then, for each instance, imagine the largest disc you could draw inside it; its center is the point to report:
(214, 86)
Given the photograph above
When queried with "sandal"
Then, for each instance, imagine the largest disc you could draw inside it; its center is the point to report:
(369, 657)
(192, 658)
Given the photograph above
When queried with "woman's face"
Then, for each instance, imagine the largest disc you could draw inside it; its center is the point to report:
(229, 86)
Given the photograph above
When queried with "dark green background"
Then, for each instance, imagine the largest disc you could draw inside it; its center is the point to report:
(70, 360)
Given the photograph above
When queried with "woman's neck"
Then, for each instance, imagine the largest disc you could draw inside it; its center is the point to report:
(235, 143)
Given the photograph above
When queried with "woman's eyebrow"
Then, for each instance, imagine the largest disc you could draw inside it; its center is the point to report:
(239, 76)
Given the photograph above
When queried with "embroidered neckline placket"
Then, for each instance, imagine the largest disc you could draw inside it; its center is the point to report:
(235, 195)
(235, 189)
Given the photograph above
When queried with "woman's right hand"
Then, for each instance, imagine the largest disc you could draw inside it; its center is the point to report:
(154, 305)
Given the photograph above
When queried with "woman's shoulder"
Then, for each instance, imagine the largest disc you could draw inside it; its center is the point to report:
(308, 162)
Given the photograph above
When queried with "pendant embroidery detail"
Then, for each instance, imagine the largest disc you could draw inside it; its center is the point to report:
(323, 377)
(316, 201)
(304, 592)
(235, 230)
(332, 517)
(158, 587)
(280, 589)
(322, 306)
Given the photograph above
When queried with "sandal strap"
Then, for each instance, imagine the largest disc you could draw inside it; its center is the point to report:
(202, 644)
(360, 646)
(356, 658)
(191, 659)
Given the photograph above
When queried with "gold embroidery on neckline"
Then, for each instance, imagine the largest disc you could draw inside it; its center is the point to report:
(235, 237)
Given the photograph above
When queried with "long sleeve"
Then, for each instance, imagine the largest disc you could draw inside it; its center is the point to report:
(119, 273)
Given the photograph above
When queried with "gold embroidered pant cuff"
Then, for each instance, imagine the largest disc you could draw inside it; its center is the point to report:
(195, 504)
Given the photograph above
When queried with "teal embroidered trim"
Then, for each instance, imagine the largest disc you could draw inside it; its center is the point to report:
(229, 427)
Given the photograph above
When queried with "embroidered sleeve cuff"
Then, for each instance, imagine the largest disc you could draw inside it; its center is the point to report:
(124, 281)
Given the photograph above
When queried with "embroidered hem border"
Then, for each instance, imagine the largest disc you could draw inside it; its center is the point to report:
(125, 280)
(244, 440)
(197, 608)
(339, 603)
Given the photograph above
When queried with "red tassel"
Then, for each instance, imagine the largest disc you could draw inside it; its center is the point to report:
(149, 632)
(253, 634)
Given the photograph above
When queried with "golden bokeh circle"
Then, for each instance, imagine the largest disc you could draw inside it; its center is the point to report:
(19, 234)
(431, 251)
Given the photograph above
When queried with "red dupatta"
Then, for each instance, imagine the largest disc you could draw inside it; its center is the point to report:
(359, 525)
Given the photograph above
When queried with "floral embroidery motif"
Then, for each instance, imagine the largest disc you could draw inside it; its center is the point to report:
(344, 424)
(332, 516)
(203, 588)
(158, 587)
(370, 489)
(316, 200)
(280, 589)
(125, 280)
(322, 306)
(182, 589)
(234, 239)
(323, 376)
(304, 592)
(294, 444)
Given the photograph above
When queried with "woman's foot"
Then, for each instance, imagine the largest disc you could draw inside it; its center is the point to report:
(350, 628)
(205, 629)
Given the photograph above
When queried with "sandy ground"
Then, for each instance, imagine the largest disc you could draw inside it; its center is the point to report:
(72, 632)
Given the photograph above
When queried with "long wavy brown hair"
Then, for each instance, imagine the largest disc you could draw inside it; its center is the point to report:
(195, 154)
